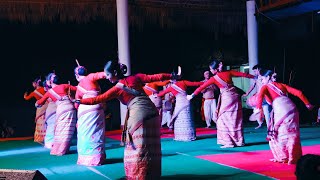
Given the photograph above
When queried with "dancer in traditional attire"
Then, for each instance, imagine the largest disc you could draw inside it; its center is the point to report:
(317, 122)
(66, 116)
(152, 89)
(283, 129)
(50, 117)
(209, 103)
(39, 91)
(182, 118)
(252, 101)
(229, 115)
(142, 155)
(168, 104)
(91, 119)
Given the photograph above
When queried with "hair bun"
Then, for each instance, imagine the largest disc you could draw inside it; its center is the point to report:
(48, 77)
(53, 77)
(123, 68)
(37, 80)
(80, 70)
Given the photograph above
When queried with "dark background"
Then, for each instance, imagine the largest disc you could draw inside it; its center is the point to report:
(291, 46)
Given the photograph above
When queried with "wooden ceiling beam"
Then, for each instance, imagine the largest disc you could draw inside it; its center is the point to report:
(267, 5)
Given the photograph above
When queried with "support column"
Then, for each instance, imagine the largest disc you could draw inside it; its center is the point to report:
(252, 31)
(123, 43)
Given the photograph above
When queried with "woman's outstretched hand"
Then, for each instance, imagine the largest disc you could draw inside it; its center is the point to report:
(189, 97)
(310, 106)
(179, 71)
(37, 105)
(176, 76)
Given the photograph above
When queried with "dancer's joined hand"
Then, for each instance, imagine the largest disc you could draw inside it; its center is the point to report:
(310, 106)
(189, 97)
(76, 101)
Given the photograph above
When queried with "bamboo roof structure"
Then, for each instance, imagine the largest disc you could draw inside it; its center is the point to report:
(213, 15)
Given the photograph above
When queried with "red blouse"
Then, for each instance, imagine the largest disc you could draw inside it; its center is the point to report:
(61, 89)
(36, 94)
(90, 83)
(226, 76)
(155, 86)
(270, 94)
(181, 84)
(135, 81)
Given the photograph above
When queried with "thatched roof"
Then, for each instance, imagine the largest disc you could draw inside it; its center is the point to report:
(214, 15)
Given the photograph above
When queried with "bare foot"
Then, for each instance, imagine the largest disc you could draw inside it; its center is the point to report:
(227, 146)
(291, 162)
(283, 161)
(259, 126)
(273, 160)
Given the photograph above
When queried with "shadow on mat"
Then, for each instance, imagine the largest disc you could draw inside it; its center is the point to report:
(72, 152)
(113, 161)
(193, 177)
(256, 143)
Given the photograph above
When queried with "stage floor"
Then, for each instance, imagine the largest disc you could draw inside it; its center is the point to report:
(199, 159)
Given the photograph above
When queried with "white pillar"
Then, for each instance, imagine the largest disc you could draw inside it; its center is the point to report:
(123, 43)
(252, 31)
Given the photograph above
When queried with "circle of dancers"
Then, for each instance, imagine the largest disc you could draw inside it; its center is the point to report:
(157, 100)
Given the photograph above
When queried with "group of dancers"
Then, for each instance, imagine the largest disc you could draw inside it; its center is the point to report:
(57, 117)
(147, 111)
